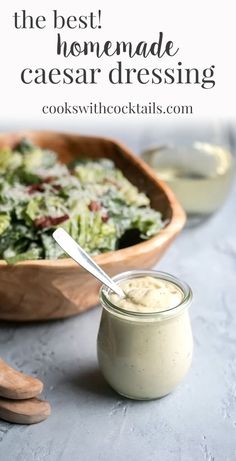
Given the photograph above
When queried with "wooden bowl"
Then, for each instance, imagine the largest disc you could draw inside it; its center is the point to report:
(46, 289)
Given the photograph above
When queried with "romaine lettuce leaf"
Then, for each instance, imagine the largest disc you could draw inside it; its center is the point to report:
(91, 199)
(4, 222)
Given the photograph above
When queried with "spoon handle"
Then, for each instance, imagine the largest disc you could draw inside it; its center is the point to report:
(74, 250)
(29, 411)
(17, 385)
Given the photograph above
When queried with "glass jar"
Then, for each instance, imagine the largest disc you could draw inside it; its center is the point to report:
(145, 356)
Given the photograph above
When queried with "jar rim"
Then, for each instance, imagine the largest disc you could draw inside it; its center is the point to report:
(172, 311)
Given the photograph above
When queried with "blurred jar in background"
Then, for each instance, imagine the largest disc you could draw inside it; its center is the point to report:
(200, 175)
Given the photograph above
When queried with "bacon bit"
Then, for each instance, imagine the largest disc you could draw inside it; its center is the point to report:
(49, 179)
(48, 221)
(39, 187)
(94, 206)
(57, 187)
(42, 222)
(35, 188)
(105, 218)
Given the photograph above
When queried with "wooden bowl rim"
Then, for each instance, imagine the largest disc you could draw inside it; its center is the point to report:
(174, 226)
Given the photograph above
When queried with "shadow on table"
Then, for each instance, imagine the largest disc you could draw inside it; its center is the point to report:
(91, 381)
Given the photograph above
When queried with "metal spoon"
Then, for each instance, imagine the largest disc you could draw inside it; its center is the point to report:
(74, 250)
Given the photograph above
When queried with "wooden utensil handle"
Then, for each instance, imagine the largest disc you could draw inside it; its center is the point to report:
(17, 385)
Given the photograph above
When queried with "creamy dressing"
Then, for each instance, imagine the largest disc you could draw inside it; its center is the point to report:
(147, 294)
(147, 357)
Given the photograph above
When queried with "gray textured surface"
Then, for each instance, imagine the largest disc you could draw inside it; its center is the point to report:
(89, 421)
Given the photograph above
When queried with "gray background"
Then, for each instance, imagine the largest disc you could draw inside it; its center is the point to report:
(91, 422)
